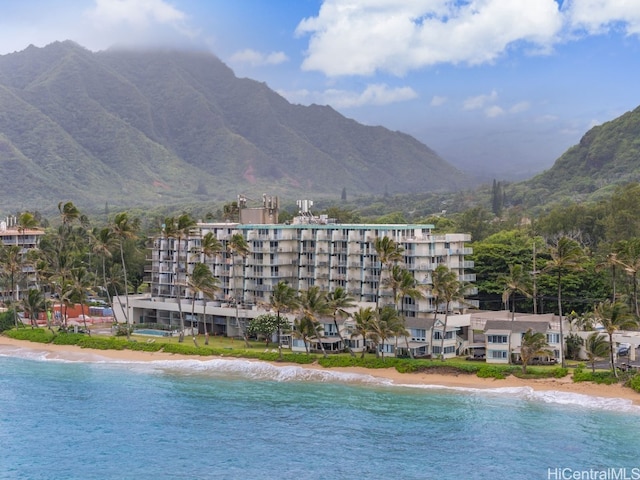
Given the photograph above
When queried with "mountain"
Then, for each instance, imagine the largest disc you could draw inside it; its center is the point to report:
(152, 127)
(607, 156)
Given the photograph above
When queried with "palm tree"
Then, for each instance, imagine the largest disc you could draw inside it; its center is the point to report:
(69, 213)
(403, 284)
(210, 246)
(33, 303)
(283, 298)
(628, 257)
(447, 288)
(26, 221)
(79, 281)
(202, 281)
(515, 282)
(238, 246)
(125, 228)
(184, 225)
(388, 252)
(614, 316)
(102, 242)
(533, 344)
(363, 319)
(11, 264)
(313, 304)
(305, 329)
(596, 347)
(611, 261)
(384, 325)
(566, 257)
(338, 301)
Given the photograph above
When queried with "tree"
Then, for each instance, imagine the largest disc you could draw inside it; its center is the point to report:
(628, 256)
(363, 319)
(283, 298)
(210, 246)
(125, 228)
(516, 281)
(574, 343)
(202, 282)
(533, 344)
(614, 316)
(79, 281)
(238, 246)
(338, 301)
(388, 252)
(384, 325)
(305, 329)
(32, 304)
(566, 257)
(403, 284)
(69, 213)
(102, 241)
(596, 347)
(446, 287)
(313, 304)
(11, 265)
(266, 325)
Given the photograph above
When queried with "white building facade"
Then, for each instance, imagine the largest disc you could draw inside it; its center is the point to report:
(303, 255)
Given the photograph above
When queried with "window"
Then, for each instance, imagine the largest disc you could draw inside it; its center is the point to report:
(437, 335)
(497, 339)
(497, 354)
(553, 338)
(419, 335)
(450, 349)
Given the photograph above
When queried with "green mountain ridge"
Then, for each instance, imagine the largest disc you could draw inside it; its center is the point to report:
(607, 156)
(137, 128)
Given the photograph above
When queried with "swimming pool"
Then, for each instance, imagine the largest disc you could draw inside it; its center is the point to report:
(151, 332)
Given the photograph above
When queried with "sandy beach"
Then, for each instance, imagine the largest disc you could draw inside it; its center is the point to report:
(448, 380)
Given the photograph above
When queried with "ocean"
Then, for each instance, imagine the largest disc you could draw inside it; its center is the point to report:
(85, 417)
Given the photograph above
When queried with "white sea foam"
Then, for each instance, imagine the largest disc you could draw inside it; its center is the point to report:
(257, 370)
(545, 396)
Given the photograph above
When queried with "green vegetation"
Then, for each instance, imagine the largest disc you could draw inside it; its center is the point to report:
(101, 127)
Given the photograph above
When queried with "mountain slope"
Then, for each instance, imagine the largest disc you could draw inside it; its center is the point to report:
(607, 155)
(145, 127)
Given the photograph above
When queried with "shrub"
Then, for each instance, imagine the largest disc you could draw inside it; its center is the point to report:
(7, 322)
(491, 372)
(581, 375)
(144, 347)
(182, 349)
(634, 382)
(39, 335)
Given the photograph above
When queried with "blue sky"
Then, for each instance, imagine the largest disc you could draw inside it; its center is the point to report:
(500, 87)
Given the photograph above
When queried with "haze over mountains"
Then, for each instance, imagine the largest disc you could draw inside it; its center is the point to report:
(152, 127)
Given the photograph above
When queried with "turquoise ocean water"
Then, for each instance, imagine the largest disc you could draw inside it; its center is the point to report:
(84, 417)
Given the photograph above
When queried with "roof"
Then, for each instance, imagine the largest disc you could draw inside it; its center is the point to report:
(506, 326)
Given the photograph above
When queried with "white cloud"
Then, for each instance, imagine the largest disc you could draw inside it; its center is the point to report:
(361, 38)
(135, 22)
(137, 13)
(520, 107)
(255, 58)
(437, 101)
(600, 16)
(474, 103)
(377, 95)
(494, 111)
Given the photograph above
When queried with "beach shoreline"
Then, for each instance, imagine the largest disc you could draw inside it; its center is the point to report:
(461, 380)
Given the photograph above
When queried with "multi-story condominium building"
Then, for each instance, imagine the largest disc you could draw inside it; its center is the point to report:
(24, 240)
(308, 252)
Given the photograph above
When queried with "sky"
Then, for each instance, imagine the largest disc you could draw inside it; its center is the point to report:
(500, 88)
